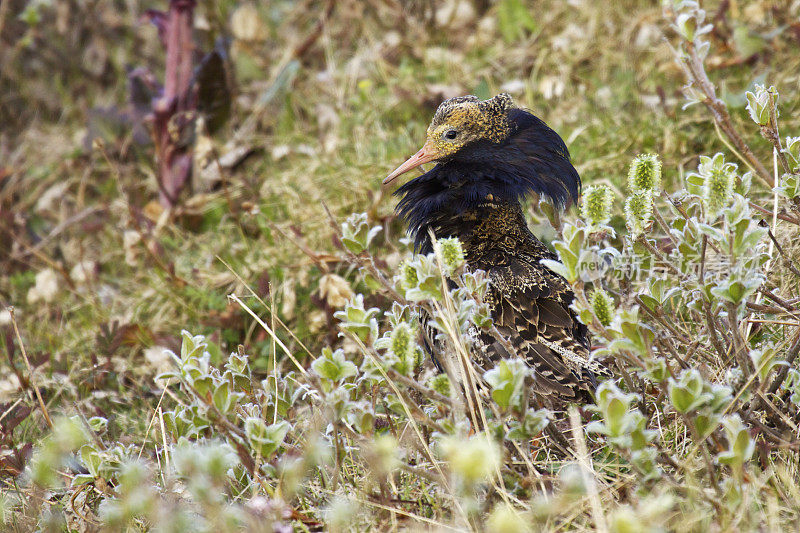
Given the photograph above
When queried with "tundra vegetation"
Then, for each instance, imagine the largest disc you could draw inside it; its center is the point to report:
(209, 314)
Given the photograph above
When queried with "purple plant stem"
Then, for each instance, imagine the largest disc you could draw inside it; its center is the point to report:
(177, 101)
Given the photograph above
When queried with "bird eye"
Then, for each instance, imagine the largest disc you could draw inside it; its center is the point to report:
(450, 135)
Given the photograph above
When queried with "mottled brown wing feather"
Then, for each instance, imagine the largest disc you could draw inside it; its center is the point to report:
(530, 307)
(530, 304)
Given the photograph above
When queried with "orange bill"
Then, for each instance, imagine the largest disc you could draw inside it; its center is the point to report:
(426, 154)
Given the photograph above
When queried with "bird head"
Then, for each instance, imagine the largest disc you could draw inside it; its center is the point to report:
(459, 122)
(485, 151)
(493, 144)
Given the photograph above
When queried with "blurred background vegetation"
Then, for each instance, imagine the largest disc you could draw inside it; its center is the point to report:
(326, 97)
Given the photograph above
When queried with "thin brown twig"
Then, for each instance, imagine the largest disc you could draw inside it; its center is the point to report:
(771, 406)
(42, 406)
(782, 216)
(712, 332)
(739, 344)
(696, 76)
(788, 261)
(791, 355)
(770, 133)
(425, 391)
(770, 309)
(664, 226)
(643, 240)
(700, 443)
(82, 516)
(778, 300)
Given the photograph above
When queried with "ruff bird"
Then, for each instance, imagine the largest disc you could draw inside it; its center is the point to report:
(489, 155)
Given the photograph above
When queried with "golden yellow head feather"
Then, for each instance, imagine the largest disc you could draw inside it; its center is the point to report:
(465, 119)
(458, 122)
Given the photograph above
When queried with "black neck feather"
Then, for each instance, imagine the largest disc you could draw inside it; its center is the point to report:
(532, 160)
